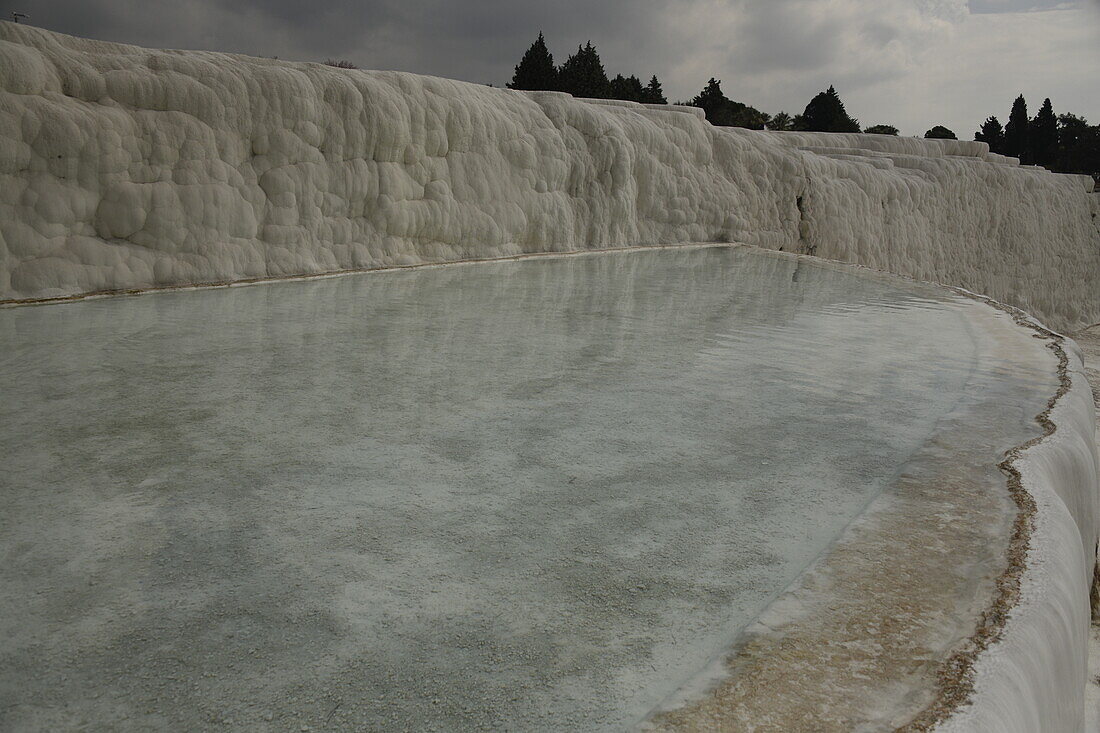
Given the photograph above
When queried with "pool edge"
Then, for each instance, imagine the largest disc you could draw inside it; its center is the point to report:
(981, 686)
(1025, 666)
(1027, 669)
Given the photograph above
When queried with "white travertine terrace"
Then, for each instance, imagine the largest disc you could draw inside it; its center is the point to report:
(127, 168)
(1033, 678)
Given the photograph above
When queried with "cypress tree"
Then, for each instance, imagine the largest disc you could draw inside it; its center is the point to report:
(582, 74)
(653, 93)
(1043, 136)
(535, 70)
(826, 113)
(1016, 130)
(992, 134)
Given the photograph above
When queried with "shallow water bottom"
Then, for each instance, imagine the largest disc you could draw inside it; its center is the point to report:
(518, 495)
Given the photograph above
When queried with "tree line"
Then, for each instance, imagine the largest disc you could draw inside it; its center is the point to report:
(1064, 143)
(582, 75)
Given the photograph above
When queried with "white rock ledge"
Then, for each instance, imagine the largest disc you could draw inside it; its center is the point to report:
(833, 652)
(127, 168)
(1033, 679)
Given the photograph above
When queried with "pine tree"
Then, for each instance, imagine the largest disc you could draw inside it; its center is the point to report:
(826, 113)
(881, 130)
(582, 74)
(1042, 140)
(653, 93)
(535, 70)
(711, 100)
(628, 88)
(992, 134)
(939, 132)
(721, 111)
(1016, 130)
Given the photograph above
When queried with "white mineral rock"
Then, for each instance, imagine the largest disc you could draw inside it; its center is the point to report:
(122, 167)
(1033, 677)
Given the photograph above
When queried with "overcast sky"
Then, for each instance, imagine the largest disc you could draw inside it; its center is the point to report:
(911, 63)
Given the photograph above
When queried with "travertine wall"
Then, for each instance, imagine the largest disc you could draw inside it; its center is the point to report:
(122, 167)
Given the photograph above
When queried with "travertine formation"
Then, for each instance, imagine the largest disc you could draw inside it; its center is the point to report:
(128, 168)
(123, 168)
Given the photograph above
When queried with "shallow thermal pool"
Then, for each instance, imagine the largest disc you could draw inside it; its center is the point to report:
(534, 494)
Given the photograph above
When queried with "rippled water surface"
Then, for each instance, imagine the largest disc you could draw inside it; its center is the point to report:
(518, 495)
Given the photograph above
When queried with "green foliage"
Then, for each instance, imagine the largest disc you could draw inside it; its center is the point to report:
(992, 134)
(582, 74)
(882, 130)
(939, 132)
(781, 121)
(535, 70)
(1016, 131)
(1078, 146)
(1042, 141)
(826, 113)
(628, 88)
(1063, 143)
(653, 94)
(722, 111)
(711, 98)
(338, 63)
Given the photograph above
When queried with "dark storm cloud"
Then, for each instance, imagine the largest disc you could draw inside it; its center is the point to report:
(781, 35)
(476, 41)
(481, 41)
(892, 60)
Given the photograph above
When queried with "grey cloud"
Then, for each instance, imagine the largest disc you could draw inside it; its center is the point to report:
(773, 54)
(784, 36)
(1019, 6)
